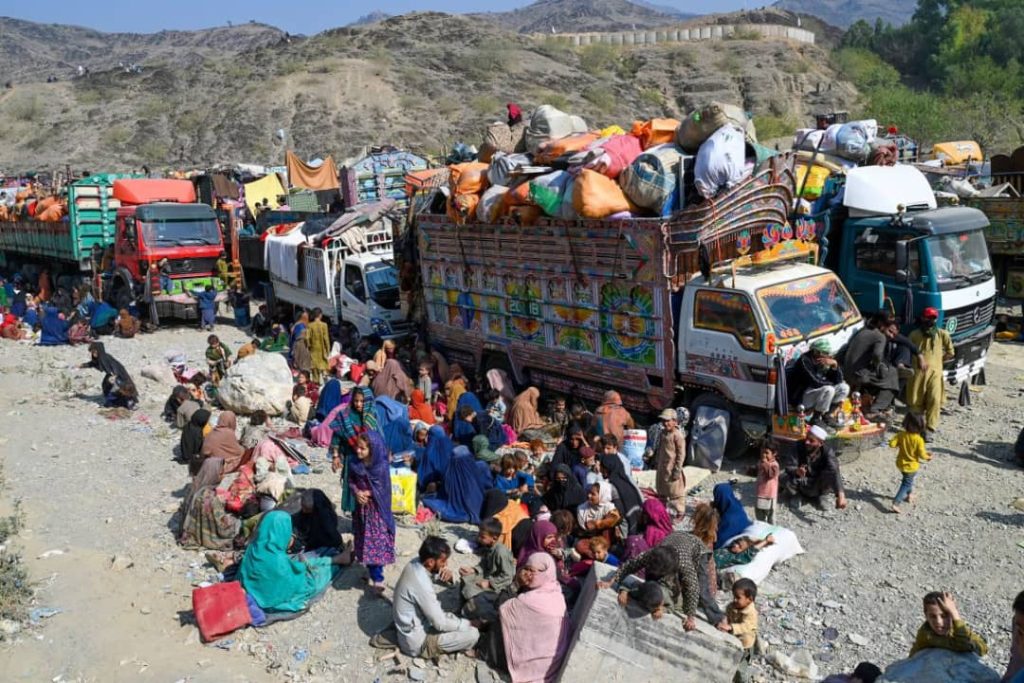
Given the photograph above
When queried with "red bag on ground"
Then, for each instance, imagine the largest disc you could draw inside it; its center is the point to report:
(220, 609)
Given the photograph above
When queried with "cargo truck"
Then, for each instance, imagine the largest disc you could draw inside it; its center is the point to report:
(702, 309)
(131, 223)
(891, 246)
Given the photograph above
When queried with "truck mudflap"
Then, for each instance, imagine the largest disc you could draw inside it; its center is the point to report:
(969, 358)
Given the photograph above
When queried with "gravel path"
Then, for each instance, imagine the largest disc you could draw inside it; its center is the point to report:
(94, 488)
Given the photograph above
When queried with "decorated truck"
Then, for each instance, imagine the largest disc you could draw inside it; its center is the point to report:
(116, 227)
(701, 309)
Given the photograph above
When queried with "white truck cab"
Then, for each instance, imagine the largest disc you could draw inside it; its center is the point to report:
(739, 327)
(352, 278)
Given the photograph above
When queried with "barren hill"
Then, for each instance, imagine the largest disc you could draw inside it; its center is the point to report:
(845, 12)
(423, 80)
(32, 52)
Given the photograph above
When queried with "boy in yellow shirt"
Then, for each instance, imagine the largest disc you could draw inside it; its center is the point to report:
(909, 456)
(945, 629)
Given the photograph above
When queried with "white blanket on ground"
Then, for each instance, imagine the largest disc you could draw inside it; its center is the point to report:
(786, 546)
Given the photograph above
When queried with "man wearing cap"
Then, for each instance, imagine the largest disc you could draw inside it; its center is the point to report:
(816, 471)
(670, 482)
(925, 390)
(816, 381)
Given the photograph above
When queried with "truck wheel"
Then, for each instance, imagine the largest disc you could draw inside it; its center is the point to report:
(736, 444)
(120, 296)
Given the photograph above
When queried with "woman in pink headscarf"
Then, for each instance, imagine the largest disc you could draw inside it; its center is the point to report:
(535, 624)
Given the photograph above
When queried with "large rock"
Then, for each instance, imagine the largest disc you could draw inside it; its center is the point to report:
(612, 643)
(161, 374)
(940, 666)
(261, 381)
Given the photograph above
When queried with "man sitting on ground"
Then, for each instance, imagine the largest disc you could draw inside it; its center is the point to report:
(416, 607)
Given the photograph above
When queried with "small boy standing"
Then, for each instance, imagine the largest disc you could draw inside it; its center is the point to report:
(742, 616)
(944, 628)
(767, 483)
(218, 358)
(165, 276)
(497, 567)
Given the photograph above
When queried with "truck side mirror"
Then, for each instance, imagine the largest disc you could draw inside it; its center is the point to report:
(129, 229)
(902, 262)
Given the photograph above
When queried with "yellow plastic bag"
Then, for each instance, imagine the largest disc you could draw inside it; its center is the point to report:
(815, 182)
(403, 491)
(611, 130)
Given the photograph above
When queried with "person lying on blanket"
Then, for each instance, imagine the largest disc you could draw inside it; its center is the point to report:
(740, 551)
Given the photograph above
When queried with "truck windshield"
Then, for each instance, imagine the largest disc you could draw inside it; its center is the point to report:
(801, 308)
(959, 260)
(382, 283)
(180, 233)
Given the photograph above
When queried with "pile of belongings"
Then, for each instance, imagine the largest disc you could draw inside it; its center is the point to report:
(553, 164)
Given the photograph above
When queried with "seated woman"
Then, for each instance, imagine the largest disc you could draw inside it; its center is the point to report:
(508, 512)
(277, 581)
(535, 625)
(315, 525)
(192, 437)
(222, 443)
(437, 454)
(461, 494)
(205, 523)
(54, 330)
(179, 395)
(127, 325)
(732, 518)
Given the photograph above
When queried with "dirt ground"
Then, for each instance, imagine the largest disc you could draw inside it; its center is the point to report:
(94, 488)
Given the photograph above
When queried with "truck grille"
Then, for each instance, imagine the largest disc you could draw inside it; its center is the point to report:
(961, 320)
(193, 266)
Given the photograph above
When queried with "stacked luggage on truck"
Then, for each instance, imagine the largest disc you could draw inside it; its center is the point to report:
(658, 262)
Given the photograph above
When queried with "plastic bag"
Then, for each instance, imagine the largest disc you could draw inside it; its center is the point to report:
(547, 191)
(403, 491)
(708, 436)
(655, 131)
(721, 162)
(548, 123)
(492, 204)
(502, 166)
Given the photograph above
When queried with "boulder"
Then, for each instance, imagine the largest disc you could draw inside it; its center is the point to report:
(612, 643)
(262, 381)
(162, 374)
(940, 666)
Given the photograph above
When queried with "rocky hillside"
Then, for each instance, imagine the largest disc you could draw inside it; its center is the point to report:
(574, 16)
(845, 12)
(423, 81)
(33, 52)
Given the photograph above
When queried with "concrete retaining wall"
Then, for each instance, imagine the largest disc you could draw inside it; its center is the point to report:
(661, 36)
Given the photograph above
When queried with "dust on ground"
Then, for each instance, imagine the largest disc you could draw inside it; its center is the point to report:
(93, 488)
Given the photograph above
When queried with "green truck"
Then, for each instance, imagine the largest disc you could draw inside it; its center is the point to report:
(116, 228)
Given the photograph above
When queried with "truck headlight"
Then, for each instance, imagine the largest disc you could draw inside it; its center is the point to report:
(380, 326)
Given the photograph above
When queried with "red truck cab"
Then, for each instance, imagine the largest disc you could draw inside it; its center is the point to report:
(159, 219)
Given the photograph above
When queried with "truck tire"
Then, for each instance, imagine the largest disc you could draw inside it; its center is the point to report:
(120, 294)
(737, 444)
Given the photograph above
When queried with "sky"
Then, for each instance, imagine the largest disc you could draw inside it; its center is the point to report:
(297, 16)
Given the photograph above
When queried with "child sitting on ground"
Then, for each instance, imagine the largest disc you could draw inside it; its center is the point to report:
(514, 483)
(945, 629)
(742, 617)
(649, 595)
(497, 567)
(591, 550)
(299, 406)
(538, 452)
(740, 551)
(909, 456)
(525, 464)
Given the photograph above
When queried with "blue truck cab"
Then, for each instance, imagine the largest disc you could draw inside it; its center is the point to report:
(882, 234)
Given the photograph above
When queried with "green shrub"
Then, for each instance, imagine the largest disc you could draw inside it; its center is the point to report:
(601, 97)
(598, 59)
(769, 126)
(485, 105)
(27, 108)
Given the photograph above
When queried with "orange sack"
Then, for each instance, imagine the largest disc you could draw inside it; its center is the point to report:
(655, 131)
(553, 149)
(468, 178)
(597, 196)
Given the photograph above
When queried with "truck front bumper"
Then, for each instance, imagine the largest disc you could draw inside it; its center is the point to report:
(969, 358)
